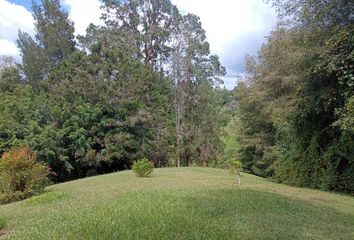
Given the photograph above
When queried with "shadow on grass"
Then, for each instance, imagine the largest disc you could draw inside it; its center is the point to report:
(252, 214)
(2, 223)
(3, 231)
(217, 214)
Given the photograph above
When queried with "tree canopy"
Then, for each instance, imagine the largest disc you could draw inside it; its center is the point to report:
(145, 85)
(296, 104)
(98, 103)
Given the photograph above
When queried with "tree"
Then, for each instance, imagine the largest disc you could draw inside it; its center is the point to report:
(235, 168)
(9, 74)
(146, 26)
(54, 30)
(54, 41)
(33, 60)
(296, 99)
(165, 40)
(194, 72)
(99, 108)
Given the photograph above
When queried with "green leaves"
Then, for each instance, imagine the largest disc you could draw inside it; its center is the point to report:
(100, 108)
(143, 168)
(296, 107)
(21, 175)
(54, 42)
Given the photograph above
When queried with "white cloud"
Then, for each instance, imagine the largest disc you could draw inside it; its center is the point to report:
(229, 82)
(83, 13)
(234, 28)
(12, 18)
(225, 20)
(8, 48)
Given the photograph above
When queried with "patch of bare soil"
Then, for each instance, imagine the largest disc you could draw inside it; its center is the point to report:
(3, 232)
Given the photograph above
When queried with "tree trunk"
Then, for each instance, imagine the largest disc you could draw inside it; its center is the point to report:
(177, 109)
(238, 179)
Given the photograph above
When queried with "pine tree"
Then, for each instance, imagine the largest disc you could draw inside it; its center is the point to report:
(54, 41)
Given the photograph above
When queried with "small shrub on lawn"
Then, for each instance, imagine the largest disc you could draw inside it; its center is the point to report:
(235, 168)
(143, 168)
(21, 176)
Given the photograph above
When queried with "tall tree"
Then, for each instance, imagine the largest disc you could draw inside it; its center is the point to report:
(193, 69)
(54, 30)
(9, 74)
(33, 60)
(146, 25)
(298, 99)
(110, 102)
(54, 41)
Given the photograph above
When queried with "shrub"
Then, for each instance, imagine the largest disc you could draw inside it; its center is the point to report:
(142, 168)
(21, 176)
(235, 166)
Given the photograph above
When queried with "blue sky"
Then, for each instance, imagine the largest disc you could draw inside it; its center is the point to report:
(25, 3)
(234, 28)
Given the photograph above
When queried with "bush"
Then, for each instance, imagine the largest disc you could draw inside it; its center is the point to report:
(235, 166)
(21, 176)
(143, 168)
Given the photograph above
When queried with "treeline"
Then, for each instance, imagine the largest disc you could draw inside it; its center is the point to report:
(142, 85)
(296, 107)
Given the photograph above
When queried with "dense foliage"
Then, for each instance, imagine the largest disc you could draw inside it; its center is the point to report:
(235, 166)
(139, 86)
(144, 85)
(296, 107)
(21, 176)
(143, 168)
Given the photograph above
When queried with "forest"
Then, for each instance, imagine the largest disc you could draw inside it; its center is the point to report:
(145, 85)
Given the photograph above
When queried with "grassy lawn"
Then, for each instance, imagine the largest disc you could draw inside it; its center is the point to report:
(230, 140)
(185, 203)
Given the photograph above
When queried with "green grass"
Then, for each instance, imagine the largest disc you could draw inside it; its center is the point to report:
(2, 223)
(185, 203)
(232, 145)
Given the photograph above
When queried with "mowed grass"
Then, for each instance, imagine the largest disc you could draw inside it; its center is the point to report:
(184, 203)
(2, 223)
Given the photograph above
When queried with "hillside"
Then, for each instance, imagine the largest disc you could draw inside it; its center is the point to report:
(185, 203)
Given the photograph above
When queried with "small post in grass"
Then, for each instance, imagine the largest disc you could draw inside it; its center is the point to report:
(235, 167)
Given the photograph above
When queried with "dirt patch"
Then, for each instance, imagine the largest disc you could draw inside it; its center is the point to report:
(3, 233)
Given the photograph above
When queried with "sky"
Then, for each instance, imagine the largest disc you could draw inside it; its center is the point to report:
(234, 28)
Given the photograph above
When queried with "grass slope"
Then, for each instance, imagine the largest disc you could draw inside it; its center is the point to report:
(232, 145)
(185, 203)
